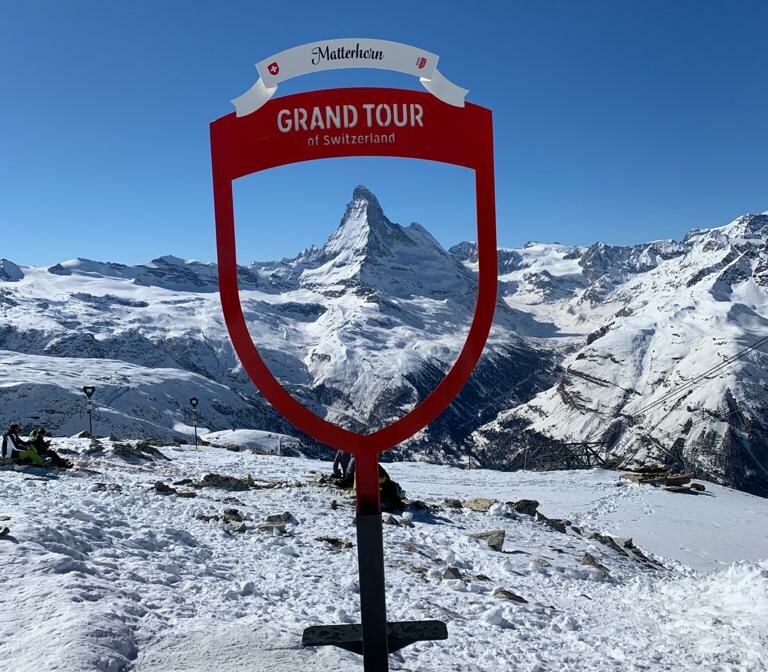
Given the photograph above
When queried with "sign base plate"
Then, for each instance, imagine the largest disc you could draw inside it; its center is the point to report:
(350, 637)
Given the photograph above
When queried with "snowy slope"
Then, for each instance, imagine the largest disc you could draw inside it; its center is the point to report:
(136, 401)
(657, 318)
(131, 580)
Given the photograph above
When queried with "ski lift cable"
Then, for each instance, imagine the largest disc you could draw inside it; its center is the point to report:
(669, 434)
(759, 395)
(704, 375)
(692, 384)
(686, 387)
(697, 380)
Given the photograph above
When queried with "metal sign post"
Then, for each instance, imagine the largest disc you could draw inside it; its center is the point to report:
(370, 561)
(193, 403)
(266, 133)
(89, 390)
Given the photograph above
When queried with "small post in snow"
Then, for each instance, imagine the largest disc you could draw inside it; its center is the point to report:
(193, 403)
(88, 390)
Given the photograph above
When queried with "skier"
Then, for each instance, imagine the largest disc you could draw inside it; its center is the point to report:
(43, 449)
(13, 444)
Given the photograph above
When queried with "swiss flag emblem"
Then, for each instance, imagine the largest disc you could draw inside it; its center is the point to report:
(273, 68)
(421, 62)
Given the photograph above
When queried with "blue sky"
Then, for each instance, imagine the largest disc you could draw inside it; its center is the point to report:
(622, 121)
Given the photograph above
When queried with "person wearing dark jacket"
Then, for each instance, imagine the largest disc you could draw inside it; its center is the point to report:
(344, 469)
(13, 444)
(390, 492)
(43, 448)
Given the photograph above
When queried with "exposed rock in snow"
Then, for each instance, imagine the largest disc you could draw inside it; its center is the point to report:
(10, 272)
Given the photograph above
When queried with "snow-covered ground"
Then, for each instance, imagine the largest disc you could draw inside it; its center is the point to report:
(101, 572)
(257, 439)
(706, 532)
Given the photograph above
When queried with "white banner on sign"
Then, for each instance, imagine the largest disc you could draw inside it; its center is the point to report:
(354, 52)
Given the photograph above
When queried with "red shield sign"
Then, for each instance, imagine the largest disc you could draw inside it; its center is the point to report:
(355, 122)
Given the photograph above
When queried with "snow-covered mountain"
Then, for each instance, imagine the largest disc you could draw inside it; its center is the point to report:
(664, 371)
(359, 329)
(585, 341)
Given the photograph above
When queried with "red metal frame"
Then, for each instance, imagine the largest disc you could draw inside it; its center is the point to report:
(461, 136)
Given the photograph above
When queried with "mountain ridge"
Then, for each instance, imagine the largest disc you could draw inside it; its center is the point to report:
(365, 326)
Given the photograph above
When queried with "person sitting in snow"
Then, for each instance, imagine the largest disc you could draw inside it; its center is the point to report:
(43, 449)
(344, 469)
(13, 444)
(390, 492)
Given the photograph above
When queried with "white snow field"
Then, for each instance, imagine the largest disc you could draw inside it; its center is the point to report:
(100, 572)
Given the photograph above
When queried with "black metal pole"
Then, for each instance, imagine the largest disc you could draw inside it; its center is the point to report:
(370, 560)
(373, 606)
(374, 638)
(193, 402)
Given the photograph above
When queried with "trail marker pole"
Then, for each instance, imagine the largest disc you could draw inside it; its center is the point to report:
(193, 403)
(88, 391)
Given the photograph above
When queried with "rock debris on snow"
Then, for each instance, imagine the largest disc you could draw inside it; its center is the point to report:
(494, 539)
(336, 543)
(509, 596)
(525, 506)
(479, 504)
(284, 518)
(590, 561)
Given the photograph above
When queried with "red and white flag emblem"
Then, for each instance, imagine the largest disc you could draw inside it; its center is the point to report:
(421, 62)
(273, 68)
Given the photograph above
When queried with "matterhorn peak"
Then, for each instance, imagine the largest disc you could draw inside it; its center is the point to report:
(364, 227)
(361, 193)
(363, 199)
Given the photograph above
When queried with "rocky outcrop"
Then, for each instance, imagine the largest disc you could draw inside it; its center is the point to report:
(10, 272)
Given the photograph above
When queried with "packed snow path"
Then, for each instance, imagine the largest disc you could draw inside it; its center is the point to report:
(103, 572)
